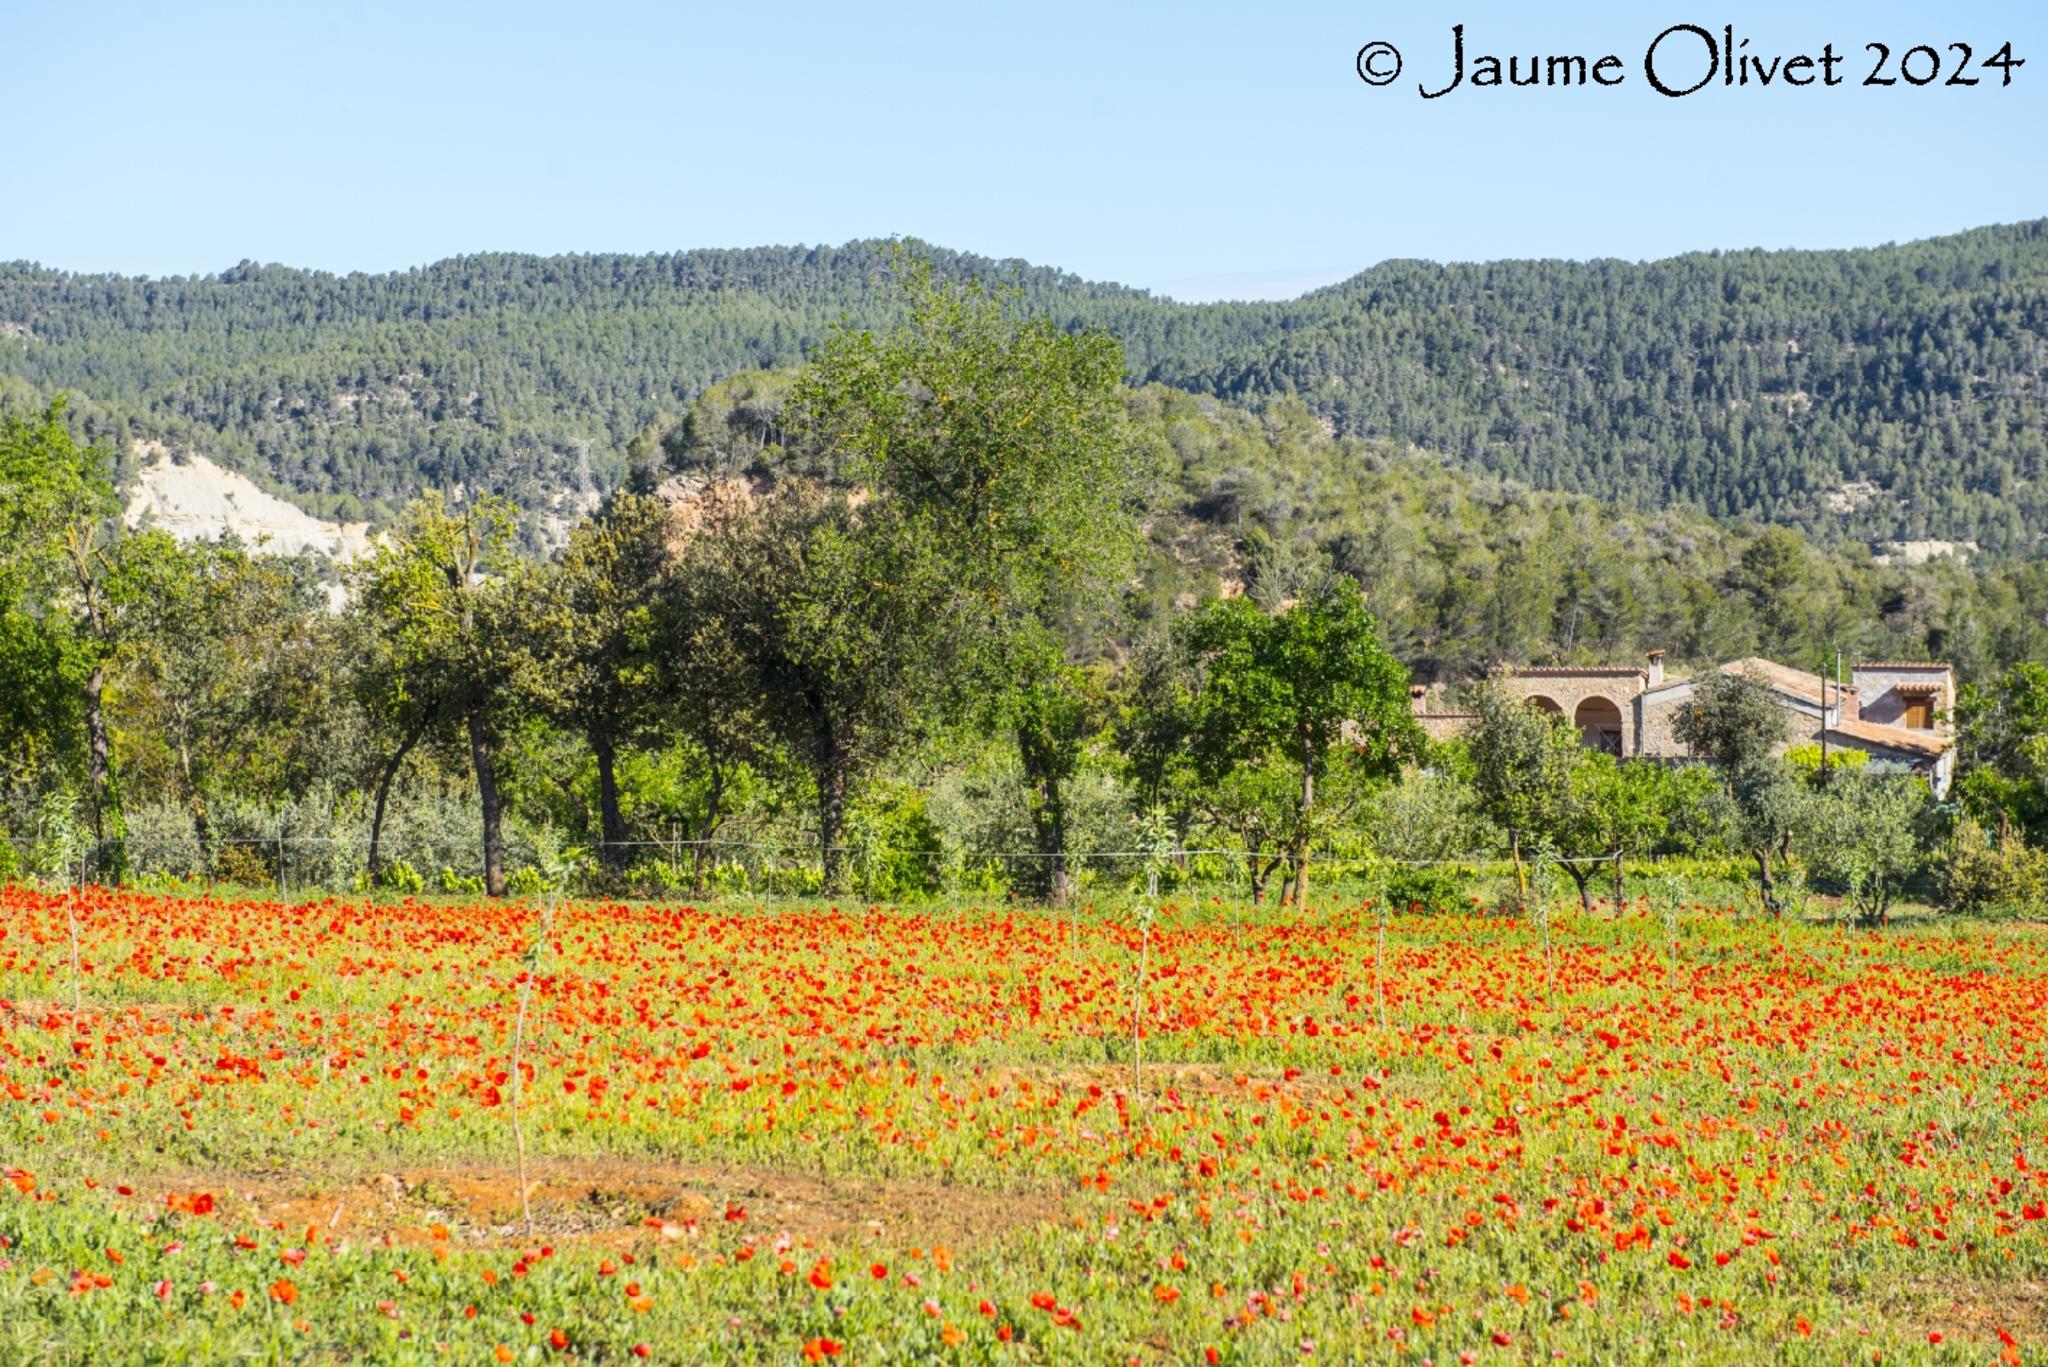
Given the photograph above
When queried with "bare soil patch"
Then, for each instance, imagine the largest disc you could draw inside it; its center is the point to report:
(1186, 1079)
(615, 1202)
(1979, 1309)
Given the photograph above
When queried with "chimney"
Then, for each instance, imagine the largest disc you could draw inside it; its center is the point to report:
(1656, 668)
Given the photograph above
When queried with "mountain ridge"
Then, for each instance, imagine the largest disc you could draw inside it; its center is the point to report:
(1751, 384)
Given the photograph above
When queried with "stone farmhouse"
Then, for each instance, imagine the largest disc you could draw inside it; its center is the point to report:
(1897, 713)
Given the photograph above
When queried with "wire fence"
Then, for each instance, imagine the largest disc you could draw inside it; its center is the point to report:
(291, 864)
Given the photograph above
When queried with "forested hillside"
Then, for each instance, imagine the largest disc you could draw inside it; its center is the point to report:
(1898, 392)
(1465, 570)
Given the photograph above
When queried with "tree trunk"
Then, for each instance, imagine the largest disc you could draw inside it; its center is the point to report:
(202, 830)
(1048, 824)
(1297, 893)
(832, 812)
(610, 821)
(1763, 879)
(104, 802)
(1584, 878)
(202, 827)
(1521, 874)
(1051, 825)
(384, 782)
(714, 801)
(487, 795)
(1258, 873)
(1620, 887)
(99, 768)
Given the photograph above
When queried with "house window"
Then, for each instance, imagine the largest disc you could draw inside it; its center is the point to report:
(1919, 714)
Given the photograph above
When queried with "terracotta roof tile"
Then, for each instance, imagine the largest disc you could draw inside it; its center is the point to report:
(1795, 682)
(1930, 744)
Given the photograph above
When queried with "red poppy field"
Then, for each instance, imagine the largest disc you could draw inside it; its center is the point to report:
(238, 1129)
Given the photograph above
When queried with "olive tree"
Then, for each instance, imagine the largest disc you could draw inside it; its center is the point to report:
(1862, 834)
(1522, 766)
(1733, 722)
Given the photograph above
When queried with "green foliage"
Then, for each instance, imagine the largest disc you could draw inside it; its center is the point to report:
(442, 606)
(60, 571)
(221, 676)
(398, 876)
(243, 866)
(1523, 761)
(594, 663)
(42, 696)
(899, 852)
(1309, 692)
(54, 494)
(1985, 877)
(1861, 835)
(1426, 889)
(831, 614)
(1610, 806)
(997, 442)
(1001, 436)
(2003, 735)
(1733, 721)
(1806, 757)
(1425, 818)
(452, 884)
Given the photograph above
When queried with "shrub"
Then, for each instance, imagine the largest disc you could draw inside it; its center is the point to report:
(401, 877)
(1983, 877)
(659, 876)
(244, 866)
(898, 851)
(1806, 758)
(1424, 889)
(459, 884)
(1860, 837)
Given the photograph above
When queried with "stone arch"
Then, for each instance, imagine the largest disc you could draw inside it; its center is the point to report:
(1543, 704)
(1599, 723)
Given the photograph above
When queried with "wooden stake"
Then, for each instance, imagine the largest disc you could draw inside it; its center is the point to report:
(71, 913)
(519, 1090)
(1379, 960)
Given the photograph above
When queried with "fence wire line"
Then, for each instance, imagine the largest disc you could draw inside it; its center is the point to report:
(863, 855)
(1171, 853)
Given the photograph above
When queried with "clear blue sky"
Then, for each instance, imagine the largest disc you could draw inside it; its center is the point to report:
(1195, 148)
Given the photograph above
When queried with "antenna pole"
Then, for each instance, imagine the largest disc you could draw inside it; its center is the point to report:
(1823, 716)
